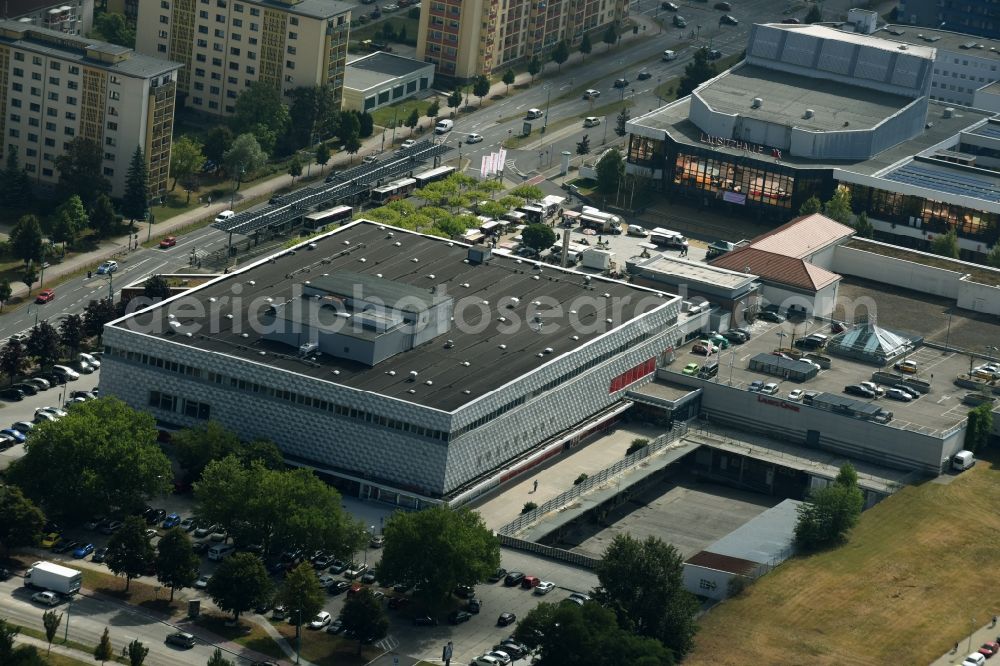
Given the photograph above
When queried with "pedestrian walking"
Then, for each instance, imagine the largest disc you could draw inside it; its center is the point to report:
(994, 620)
(536, 486)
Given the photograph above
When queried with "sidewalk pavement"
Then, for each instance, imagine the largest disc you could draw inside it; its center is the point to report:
(970, 644)
(122, 245)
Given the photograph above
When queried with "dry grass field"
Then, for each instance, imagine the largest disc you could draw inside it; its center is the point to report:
(902, 590)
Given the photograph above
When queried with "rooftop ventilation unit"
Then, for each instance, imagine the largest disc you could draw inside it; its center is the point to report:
(479, 254)
(948, 112)
(502, 346)
(449, 344)
(809, 113)
(308, 348)
(413, 375)
(466, 364)
(757, 103)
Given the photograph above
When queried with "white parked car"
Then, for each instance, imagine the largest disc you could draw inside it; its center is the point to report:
(225, 215)
(591, 121)
(90, 360)
(487, 660)
(769, 388)
(544, 587)
(874, 388)
(636, 230)
(321, 620)
(69, 373)
(796, 395)
(202, 582)
(591, 94)
(409, 143)
(474, 138)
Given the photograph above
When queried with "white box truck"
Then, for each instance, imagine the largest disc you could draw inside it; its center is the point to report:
(599, 221)
(53, 577)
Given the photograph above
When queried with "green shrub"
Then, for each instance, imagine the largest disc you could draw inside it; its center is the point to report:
(637, 443)
(580, 479)
(529, 506)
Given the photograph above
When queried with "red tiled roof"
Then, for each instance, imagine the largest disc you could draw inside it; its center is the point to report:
(802, 236)
(778, 268)
(733, 565)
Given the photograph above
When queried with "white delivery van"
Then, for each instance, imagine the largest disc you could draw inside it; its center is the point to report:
(220, 552)
(443, 126)
(669, 55)
(962, 461)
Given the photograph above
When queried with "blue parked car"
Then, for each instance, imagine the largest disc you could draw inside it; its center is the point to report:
(16, 434)
(172, 520)
(83, 551)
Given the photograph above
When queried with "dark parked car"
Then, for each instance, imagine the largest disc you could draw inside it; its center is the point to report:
(621, 83)
(513, 579)
(181, 639)
(669, 7)
(506, 619)
(726, 19)
(465, 592)
(475, 605)
(26, 389)
(724, 6)
(459, 616)
(338, 587)
(154, 516)
(13, 394)
(770, 315)
(424, 621)
(497, 575)
(715, 54)
(858, 390)
(338, 567)
(65, 546)
(808, 343)
(735, 337)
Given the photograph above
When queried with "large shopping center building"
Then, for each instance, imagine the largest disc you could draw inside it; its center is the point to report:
(812, 108)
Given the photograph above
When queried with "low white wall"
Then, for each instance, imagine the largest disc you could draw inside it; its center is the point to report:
(979, 297)
(898, 272)
(716, 582)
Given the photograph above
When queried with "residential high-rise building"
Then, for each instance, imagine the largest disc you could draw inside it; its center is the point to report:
(465, 38)
(57, 87)
(73, 16)
(227, 45)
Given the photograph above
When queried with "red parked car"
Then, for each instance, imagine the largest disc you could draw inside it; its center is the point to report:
(529, 582)
(989, 649)
(45, 295)
(169, 241)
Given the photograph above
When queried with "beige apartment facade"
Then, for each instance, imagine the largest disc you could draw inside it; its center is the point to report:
(57, 87)
(466, 38)
(228, 45)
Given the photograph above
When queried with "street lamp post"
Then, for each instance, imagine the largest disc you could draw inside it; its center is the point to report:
(372, 530)
(69, 602)
(232, 198)
(781, 336)
(548, 98)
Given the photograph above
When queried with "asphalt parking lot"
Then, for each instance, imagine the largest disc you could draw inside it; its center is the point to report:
(940, 409)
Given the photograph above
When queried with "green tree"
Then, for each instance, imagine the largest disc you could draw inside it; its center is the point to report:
(198, 446)
(69, 221)
(176, 561)
(115, 29)
(696, 72)
(156, 288)
(29, 275)
(610, 36)
(583, 145)
(71, 333)
(352, 144)
(585, 46)
(51, 620)
(622, 119)
(508, 79)
(240, 583)
(21, 521)
(863, 227)
(135, 202)
(364, 618)
(275, 508)
(433, 109)
(992, 259)
(350, 125)
(610, 170)
(492, 209)
(5, 292)
(96, 315)
(309, 114)
(186, 159)
(15, 183)
(103, 652)
(302, 595)
(295, 167)
(979, 427)
(660, 608)
(80, 169)
(136, 652)
(528, 193)
(534, 67)
(839, 207)
(103, 218)
(946, 244)
(367, 125)
(814, 15)
(830, 512)
(568, 634)
(244, 157)
(8, 632)
(259, 110)
(560, 54)
(218, 140)
(13, 359)
(439, 548)
(810, 206)
(322, 156)
(538, 236)
(103, 456)
(26, 239)
(481, 88)
(218, 660)
(129, 551)
(455, 98)
(412, 120)
(44, 343)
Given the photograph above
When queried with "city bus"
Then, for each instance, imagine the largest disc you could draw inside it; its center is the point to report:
(397, 189)
(320, 220)
(439, 173)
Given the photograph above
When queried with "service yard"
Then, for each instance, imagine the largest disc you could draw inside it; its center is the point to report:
(902, 590)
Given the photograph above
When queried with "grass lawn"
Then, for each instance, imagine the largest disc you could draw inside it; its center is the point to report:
(383, 116)
(139, 593)
(398, 19)
(58, 659)
(54, 659)
(257, 639)
(901, 591)
(324, 649)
